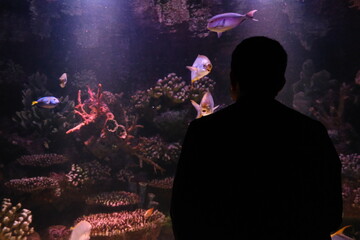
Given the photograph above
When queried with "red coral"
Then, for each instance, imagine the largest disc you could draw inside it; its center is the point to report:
(91, 109)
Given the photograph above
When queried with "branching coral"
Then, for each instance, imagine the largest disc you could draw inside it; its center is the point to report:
(88, 173)
(42, 160)
(125, 225)
(113, 199)
(35, 184)
(95, 109)
(14, 223)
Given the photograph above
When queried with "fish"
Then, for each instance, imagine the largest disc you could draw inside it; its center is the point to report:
(63, 80)
(148, 213)
(206, 106)
(46, 102)
(200, 68)
(339, 235)
(226, 21)
(81, 231)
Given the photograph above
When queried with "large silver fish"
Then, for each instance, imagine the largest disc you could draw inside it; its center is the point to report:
(200, 68)
(206, 106)
(81, 231)
(226, 21)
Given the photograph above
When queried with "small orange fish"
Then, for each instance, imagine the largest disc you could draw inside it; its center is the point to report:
(148, 213)
(339, 235)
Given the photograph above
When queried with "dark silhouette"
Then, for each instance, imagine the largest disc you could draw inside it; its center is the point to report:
(257, 169)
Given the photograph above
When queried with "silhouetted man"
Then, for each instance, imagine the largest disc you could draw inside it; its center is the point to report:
(257, 169)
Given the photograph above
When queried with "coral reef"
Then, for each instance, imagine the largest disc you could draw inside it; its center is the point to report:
(125, 225)
(42, 160)
(14, 221)
(113, 199)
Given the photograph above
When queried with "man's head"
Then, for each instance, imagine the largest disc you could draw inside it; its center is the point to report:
(258, 67)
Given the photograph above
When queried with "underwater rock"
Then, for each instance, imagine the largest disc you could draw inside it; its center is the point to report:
(165, 183)
(10, 72)
(14, 221)
(320, 96)
(125, 175)
(57, 232)
(113, 199)
(171, 124)
(130, 225)
(42, 160)
(173, 15)
(84, 78)
(357, 78)
(355, 4)
(156, 149)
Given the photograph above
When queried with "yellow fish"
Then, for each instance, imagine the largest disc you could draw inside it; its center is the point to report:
(206, 106)
(148, 213)
(339, 235)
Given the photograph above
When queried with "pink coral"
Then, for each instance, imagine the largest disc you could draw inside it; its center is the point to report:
(42, 160)
(125, 225)
(113, 199)
(91, 109)
(34, 184)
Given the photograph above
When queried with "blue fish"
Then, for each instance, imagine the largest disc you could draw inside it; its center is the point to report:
(226, 21)
(46, 102)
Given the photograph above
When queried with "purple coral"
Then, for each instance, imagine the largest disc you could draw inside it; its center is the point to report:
(125, 225)
(113, 199)
(42, 160)
(350, 165)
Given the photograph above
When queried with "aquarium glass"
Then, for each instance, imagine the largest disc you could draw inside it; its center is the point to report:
(97, 96)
